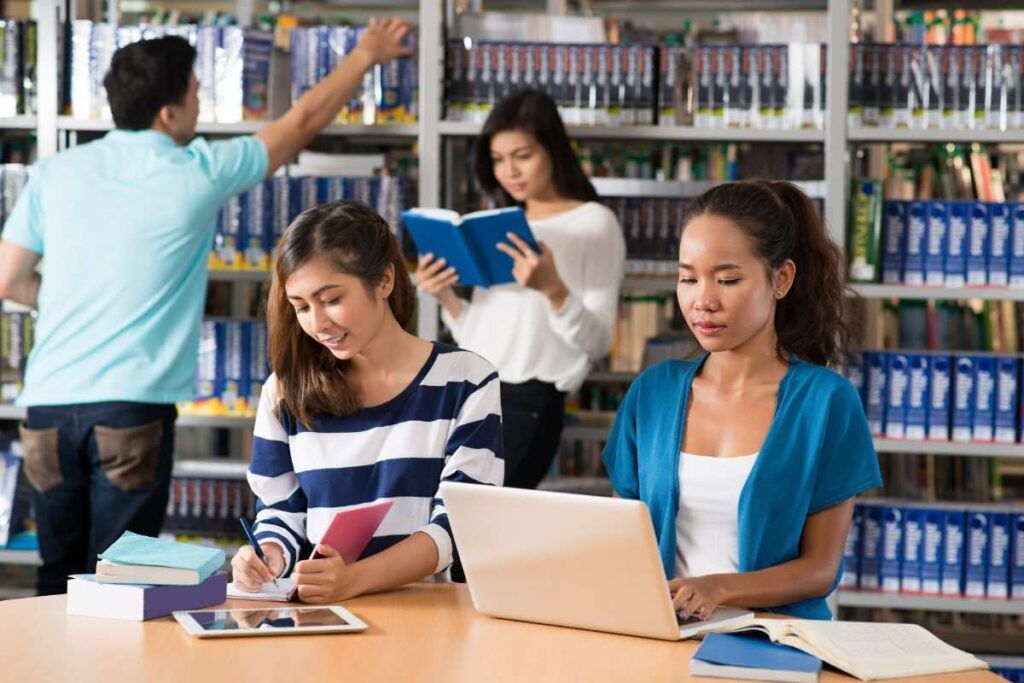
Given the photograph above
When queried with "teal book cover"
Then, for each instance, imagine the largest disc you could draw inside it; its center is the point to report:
(134, 548)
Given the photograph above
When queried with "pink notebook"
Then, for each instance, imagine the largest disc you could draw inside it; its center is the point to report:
(351, 529)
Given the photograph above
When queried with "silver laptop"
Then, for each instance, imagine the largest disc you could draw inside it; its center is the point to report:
(569, 560)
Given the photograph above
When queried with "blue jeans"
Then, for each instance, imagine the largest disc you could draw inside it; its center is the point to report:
(96, 470)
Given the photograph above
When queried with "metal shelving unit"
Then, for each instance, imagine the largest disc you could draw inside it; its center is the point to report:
(883, 135)
(874, 291)
(19, 122)
(971, 450)
(901, 601)
(239, 275)
(660, 133)
(404, 132)
(23, 557)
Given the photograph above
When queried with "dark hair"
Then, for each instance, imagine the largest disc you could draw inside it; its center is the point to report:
(783, 223)
(532, 112)
(146, 76)
(360, 243)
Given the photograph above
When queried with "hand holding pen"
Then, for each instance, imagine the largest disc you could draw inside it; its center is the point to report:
(253, 569)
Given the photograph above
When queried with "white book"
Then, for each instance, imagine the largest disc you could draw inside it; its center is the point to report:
(870, 651)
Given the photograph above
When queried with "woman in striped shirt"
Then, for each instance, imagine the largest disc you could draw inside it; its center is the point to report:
(359, 410)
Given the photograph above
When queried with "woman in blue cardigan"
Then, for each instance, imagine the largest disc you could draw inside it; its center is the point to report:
(749, 457)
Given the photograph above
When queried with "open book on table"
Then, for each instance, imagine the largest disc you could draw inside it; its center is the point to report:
(869, 651)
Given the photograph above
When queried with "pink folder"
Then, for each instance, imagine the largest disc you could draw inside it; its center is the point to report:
(351, 529)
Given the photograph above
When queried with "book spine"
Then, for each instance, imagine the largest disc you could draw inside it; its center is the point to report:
(940, 387)
(1007, 399)
(931, 553)
(954, 534)
(936, 244)
(999, 245)
(997, 580)
(983, 417)
(913, 548)
(956, 246)
(897, 372)
(976, 554)
(978, 244)
(963, 399)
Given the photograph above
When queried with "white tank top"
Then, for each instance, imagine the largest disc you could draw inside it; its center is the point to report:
(708, 518)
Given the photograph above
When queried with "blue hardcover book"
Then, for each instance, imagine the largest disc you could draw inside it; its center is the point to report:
(997, 584)
(1017, 555)
(939, 393)
(916, 424)
(896, 405)
(892, 548)
(963, 399)
(983, 419)
(894, 241)
(1007, 399)
(931, 553)
(935, 244)
(469, 243)
(137, 553)
(871, 547)
(1017, 244)
(954, 534)
(977, 554)
(752, 657)
(978, 245)
(917, 232)
(852, 550)
(913, 549)
(999, 245)
(875, 392)
(956, 245)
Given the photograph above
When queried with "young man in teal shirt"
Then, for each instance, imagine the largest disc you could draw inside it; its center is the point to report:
(126, 226)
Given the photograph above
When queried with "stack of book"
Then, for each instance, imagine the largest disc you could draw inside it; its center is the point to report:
(139, 578)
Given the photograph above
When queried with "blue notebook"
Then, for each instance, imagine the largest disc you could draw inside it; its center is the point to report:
(127, 559)
(469, 243)
(753, 657)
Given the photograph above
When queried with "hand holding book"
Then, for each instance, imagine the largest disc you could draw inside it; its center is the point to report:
(535, 270)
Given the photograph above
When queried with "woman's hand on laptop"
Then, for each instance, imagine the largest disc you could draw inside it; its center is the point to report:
(248, 571)
(326, 579)
(697, 596)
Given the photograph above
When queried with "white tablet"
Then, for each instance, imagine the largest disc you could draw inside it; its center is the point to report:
(279, 621)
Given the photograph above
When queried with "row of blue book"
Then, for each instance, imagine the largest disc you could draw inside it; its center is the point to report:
(208, 506)
(232, 65)
(389, 92)
(140, 577)
(936, 86)
(974, 551)
(942, 397)
(952, 243)
(232, 368)
(250, 224)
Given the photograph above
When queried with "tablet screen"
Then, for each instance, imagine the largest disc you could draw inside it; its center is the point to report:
(267, 619)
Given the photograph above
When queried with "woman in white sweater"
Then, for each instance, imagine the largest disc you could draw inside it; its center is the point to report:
(543, 332)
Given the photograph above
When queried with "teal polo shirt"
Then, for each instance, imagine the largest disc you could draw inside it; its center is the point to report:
(818, 452)
(125, 225)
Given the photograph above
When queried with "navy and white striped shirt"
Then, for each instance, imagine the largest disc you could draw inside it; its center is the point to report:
(445, 426)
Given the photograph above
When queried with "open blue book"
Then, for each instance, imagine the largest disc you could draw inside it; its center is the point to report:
(469, 243)
(145, 560)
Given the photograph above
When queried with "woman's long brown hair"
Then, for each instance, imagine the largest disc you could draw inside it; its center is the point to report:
(358, 242)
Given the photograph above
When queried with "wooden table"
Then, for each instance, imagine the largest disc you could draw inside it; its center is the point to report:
(427, 632)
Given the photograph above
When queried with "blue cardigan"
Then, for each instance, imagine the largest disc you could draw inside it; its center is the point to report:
(818, 452)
